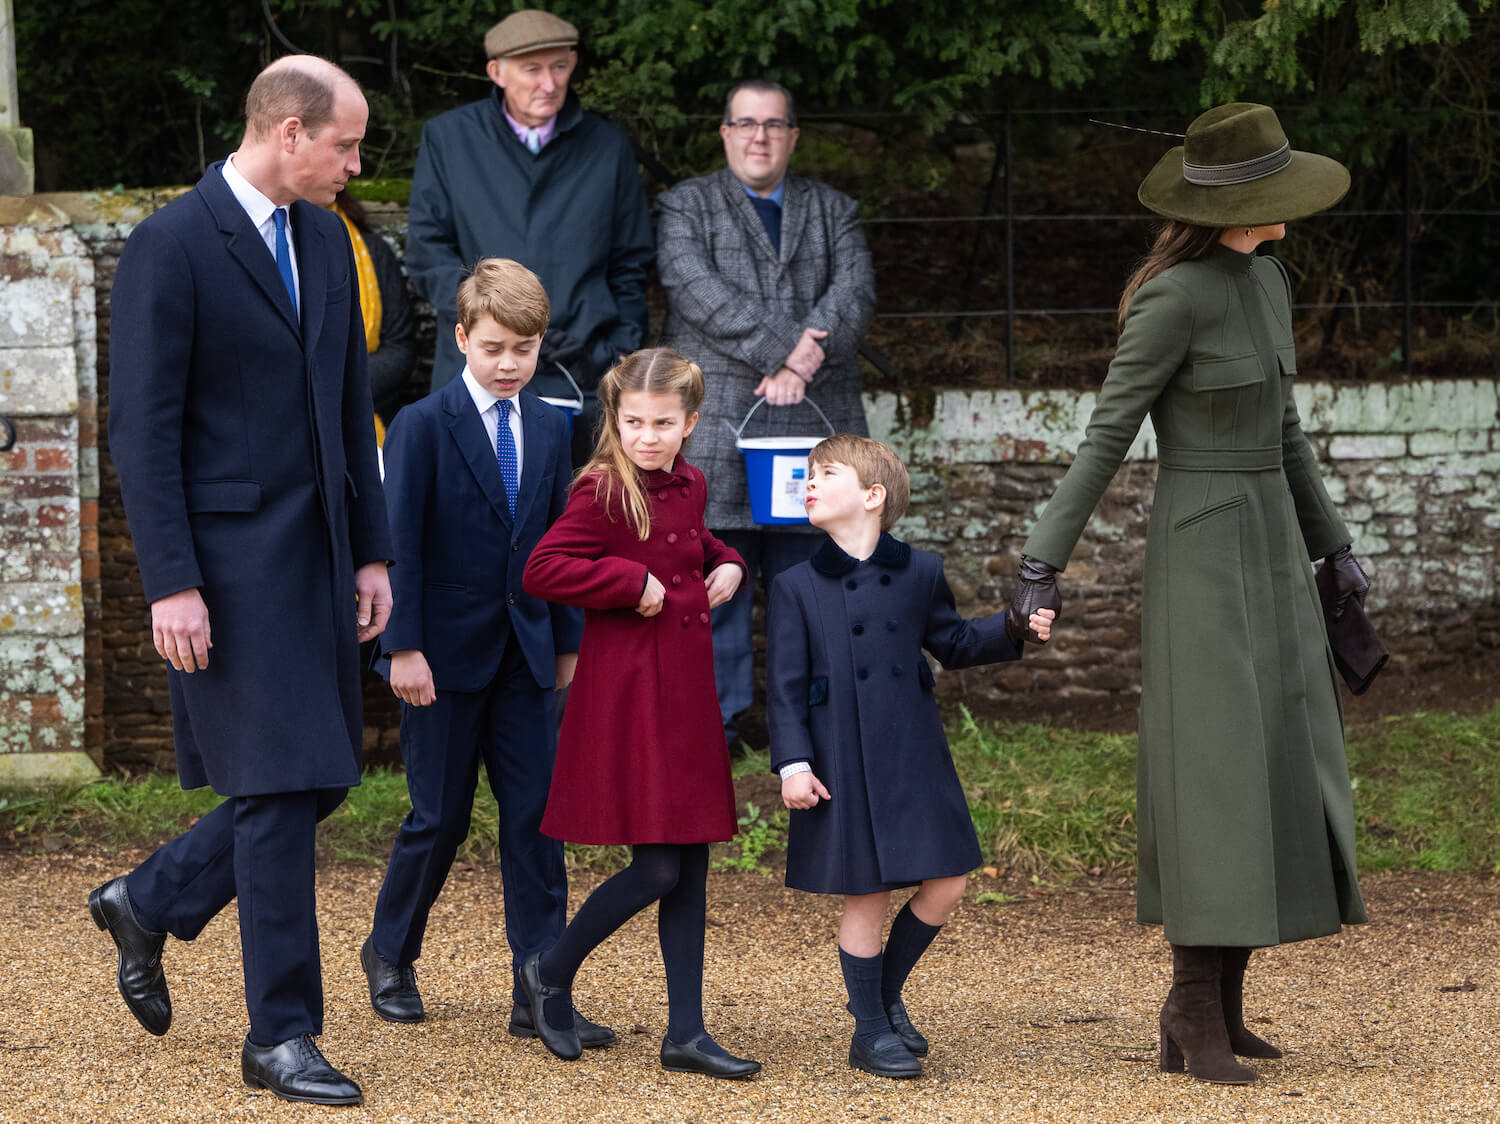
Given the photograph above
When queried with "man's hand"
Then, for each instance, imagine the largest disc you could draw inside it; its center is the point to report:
(803, 790)
(652, 598)
(373, 608)
(722, 582)
(1350, 585)
(411, 678)
(566, 664)
(784, 388)
(179, 628)
(808, 355)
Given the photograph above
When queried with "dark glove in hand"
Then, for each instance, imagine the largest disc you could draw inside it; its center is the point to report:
(559, 347)
(1036, 588)
(1349, 581)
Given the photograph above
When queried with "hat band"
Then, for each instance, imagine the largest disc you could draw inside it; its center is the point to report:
(1221, 175)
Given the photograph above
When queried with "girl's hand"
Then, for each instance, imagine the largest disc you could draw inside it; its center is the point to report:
(1041, 623)
(802, 790)
(653, 598)
(722, 582)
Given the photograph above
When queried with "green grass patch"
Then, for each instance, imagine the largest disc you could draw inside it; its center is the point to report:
(1045, 801)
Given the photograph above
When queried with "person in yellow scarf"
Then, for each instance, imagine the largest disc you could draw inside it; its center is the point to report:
(390, 327)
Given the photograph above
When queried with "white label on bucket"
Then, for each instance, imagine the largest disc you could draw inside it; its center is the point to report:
(788, 484)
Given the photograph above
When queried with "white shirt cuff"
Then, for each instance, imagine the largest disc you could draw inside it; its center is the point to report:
(788, 771)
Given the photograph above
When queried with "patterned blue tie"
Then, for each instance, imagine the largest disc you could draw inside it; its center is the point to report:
(284, 256)
(505, 453)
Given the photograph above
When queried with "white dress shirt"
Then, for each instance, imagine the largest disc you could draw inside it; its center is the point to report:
(489, 413)
(261, 211)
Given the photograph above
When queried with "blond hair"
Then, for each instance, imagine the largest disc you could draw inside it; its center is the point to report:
(652, 370)
(1175, 242)
(506, 292)
(873, 463)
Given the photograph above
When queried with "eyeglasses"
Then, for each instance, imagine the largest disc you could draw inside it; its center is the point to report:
(776, 128)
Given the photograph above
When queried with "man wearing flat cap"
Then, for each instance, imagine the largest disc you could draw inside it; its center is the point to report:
(526, 173)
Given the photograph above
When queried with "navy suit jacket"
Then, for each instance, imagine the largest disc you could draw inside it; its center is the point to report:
(459, 553)
(244, 438)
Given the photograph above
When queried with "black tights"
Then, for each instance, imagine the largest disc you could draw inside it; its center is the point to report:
(675, 875)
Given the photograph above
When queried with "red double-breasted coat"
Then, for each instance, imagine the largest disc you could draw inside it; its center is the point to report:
(641, 755)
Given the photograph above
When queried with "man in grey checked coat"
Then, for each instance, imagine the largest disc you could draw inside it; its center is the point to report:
(770, 290)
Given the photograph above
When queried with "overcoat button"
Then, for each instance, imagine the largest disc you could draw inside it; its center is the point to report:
(672, 538)
(510, 598)
(851, 584)
(515, 546)
(686, 620)
(683, 492)
(862, 674)
(693, 534)
(697, 575)
(896, 671)
(676, 579)
(859, 630)
(891, 626)
(885, 579)
(703, 618)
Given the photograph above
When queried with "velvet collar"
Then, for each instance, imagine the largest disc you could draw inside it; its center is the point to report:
(830, 560)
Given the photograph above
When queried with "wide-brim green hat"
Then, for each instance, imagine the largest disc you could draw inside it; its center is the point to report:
(1236, 168)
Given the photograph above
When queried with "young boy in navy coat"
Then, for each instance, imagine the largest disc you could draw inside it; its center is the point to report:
(857, 739)
(474, 474)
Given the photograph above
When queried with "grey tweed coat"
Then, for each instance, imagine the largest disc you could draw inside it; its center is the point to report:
(737, 308)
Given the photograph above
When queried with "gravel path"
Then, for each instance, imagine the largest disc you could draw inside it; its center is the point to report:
(1039, 1010)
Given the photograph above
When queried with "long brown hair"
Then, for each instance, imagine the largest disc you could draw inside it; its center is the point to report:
(1175, 242)
(655, 370)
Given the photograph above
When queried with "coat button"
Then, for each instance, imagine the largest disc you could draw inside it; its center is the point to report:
(676, 579)
(862, 674)
(697, 575)
(693, 534)
(885, 579)
(702, 618)
(896, 671)
(510, 598)
(859, 630)
(891, 626)
(851, 584)
(672, 538)
(515, 546)
(683, 492)
(686, 620)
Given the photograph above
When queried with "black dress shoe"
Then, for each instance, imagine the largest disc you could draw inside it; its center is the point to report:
(690, 1058)
(591, 1035)
(142, 984)
(910, 1036)
(296, 1070)
(563, 1043)
(884, 1055)
(393, 987)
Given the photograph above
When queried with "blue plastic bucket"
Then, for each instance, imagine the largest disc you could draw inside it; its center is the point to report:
(776, 470)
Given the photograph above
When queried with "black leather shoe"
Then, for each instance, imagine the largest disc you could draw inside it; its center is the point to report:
(142, 984)
(910, 1036)
(884, 1056)
(689, 1058)
(591, 1035)
(393, 987)
(563, 1043)
(296, 1070)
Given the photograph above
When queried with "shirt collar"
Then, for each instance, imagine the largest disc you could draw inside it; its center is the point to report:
(483, 399)
(774, 197)
(250, 197)
(543, 132)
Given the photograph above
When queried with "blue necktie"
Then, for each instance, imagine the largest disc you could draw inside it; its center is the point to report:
(284, 256)
(505, 453)
(534, 141)
(770, 217)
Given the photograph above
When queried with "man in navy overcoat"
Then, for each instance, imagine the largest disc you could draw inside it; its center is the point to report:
(241, 425)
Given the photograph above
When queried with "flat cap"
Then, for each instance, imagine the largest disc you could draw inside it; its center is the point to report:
(528, 30)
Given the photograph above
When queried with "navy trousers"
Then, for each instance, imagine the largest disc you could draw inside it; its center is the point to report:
(511, 727)
(766, 554)
(258, 849)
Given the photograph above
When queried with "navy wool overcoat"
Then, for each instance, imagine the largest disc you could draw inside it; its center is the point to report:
(245, 442)
(849, 691)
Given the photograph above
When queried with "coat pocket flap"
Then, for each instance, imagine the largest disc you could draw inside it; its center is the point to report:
(817, 691)
(1226, 374)
(1286, 358)
(222, 495)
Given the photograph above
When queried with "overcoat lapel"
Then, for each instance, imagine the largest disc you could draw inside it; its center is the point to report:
(312, 270)
(745, 214)
(474, 445)
(246, 246)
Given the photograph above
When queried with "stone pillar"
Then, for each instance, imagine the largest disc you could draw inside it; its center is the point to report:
(49, 491)
(17, 162)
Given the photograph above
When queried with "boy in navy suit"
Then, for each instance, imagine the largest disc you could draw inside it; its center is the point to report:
(475, 473)
(857, 738)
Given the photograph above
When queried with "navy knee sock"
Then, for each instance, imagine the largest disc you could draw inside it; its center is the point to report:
(653, 872)
(862, 979)
(909, 938)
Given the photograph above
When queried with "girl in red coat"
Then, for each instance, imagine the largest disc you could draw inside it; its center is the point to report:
(641, 757)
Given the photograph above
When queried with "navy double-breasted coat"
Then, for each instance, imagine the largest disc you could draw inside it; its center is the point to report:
(245, 442)
(849, 691)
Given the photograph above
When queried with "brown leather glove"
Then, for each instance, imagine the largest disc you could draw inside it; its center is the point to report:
(1349, 581)
(1036, 588)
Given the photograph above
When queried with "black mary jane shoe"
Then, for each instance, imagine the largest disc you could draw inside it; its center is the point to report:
(910, 1036)
(139, 975)
(884, 1055)
(591, 1035)
(296, 1070)
(563, 1043)
(688, 1057)
(393, 987)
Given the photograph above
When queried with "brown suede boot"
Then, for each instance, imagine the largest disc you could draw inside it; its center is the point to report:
(1192, 1020)
(1232, 995)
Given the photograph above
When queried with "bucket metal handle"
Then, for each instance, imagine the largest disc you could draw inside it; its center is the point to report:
(567, 374)
(759, 402)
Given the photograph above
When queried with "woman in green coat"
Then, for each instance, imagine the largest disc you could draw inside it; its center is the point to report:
(1245, 819)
